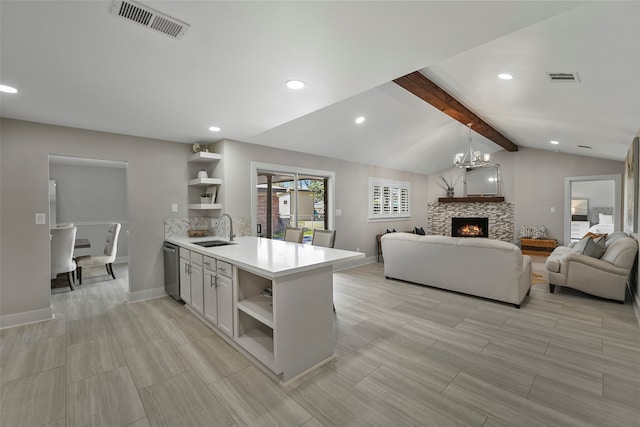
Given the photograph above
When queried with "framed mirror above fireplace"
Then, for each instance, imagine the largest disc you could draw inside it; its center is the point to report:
(483, 181)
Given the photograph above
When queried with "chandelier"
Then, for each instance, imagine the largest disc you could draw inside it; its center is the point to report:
(471, 157)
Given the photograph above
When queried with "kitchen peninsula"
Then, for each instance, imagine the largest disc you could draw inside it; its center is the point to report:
(272, 298)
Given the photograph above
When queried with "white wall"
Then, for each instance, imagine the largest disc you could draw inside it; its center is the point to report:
(156, 177)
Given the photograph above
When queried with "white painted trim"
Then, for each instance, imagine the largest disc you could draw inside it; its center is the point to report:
(25, 317)
(255, 166)
(146, 294)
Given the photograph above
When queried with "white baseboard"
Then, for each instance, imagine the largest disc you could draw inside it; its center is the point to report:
(355, 263)
(146, 294)
(25, 317)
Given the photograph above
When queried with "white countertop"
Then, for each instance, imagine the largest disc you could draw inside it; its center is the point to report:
(267, 257)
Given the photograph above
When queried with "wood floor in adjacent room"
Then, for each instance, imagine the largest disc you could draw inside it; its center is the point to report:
(405, 355)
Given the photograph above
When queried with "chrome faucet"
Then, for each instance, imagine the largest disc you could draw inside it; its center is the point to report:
(231, 235)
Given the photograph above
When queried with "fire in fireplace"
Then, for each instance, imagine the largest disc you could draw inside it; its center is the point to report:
(469, 227)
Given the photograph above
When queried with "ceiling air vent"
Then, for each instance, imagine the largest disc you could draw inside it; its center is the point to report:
(564, 77)
(150, 18)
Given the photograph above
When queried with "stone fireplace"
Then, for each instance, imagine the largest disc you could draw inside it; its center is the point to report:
(470, 227)
(500, 217)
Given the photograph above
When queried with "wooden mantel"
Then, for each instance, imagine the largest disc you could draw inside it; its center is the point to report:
(472, 199)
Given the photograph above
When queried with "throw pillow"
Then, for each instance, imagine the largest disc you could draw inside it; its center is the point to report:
(579, 247)
(594, 235)
(525, 232)
(539, 232)
(606, 219)
(421, 231)
(589, 246)
(595, 247)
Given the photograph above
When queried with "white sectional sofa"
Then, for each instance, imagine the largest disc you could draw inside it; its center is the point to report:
(476, 266)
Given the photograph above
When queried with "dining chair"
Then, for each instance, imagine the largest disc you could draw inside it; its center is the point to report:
(293, 234)
(62, 241)
(108, 256)
(324, 238)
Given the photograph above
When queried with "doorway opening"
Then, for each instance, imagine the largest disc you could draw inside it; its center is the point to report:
(90, 194)
(592, 204)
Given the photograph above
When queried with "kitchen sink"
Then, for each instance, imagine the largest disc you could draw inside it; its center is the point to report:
(212, 243)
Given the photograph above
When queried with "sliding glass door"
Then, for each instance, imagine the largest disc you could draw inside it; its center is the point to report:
(290, 198)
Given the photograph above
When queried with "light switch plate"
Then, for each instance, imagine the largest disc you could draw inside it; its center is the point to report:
(174, 207)
(338, 212)
(40, 218)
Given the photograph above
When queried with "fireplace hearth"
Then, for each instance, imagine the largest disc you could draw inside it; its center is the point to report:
(470, 227)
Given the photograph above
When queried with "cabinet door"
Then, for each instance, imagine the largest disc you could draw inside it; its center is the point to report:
(210, 291)
(197, 295)
(185, 280)
(225, 305)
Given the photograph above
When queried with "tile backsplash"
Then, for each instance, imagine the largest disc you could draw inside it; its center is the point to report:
(178, 227)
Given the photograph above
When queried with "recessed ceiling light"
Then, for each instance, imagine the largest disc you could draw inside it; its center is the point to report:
(295, 84)
(554, 142)
(214, 129)
(8, 89)
(360, 120)
(505, 76)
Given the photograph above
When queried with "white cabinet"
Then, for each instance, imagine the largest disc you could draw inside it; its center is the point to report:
(218, 294)
(198, 185)
(191, 289)
(197, 295)
(292, 330)
(225, 297)
(210, 291)
(185, 277)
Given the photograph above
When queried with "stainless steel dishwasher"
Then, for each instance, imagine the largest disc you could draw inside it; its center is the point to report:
(172, 270)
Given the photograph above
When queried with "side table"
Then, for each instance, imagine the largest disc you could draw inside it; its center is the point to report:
(540, 247)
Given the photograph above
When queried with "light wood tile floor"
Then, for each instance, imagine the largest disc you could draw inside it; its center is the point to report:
(405, 355)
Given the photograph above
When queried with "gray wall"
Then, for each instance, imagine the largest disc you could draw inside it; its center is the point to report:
(156, 177)
(351, 190)
(534, 180)
(91, 197)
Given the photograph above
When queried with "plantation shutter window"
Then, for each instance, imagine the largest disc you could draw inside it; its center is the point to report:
(388, 199)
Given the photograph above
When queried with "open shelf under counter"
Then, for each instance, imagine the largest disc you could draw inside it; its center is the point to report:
(258, 307)
(205, 181)
(259, 344)
(204, 156)
(205, 206)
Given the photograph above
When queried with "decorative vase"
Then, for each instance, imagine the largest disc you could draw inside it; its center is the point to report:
(205, 200)
(202, 173)
(450, 193)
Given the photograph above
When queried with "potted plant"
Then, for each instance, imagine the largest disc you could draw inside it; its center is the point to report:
(450, 183)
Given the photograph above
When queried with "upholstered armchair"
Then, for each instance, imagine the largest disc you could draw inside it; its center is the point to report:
(108, 256)
(62, 243)
(605, 276)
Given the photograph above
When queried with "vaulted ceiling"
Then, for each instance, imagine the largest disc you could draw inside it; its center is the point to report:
(75, 64)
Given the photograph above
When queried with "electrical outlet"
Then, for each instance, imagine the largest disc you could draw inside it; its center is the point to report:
(358, 249)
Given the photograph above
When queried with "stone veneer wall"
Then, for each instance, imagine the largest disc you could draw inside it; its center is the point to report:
(178, 227)
(501, 217)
